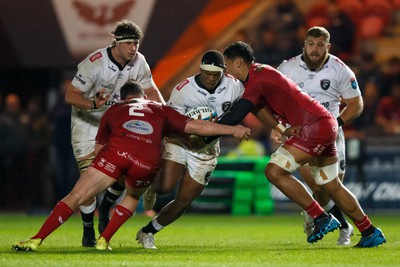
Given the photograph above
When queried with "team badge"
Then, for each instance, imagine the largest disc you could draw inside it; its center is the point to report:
(354, 84)
(325, 83)
(226, 106)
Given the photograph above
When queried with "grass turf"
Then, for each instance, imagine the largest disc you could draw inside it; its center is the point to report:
(199, 240)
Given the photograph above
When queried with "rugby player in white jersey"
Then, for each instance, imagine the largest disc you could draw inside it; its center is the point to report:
(191, 167)
(95, 88)
(328, 80)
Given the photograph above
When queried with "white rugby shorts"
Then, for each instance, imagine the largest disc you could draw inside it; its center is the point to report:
(199, 166)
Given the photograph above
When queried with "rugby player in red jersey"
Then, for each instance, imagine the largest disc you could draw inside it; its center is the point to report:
(128, 143)
(280, 102)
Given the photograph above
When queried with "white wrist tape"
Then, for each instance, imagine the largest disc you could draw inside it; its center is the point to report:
(281, 129)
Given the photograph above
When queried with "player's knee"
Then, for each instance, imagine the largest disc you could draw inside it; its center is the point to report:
(164, 188)
(326, 174)
(280, 160)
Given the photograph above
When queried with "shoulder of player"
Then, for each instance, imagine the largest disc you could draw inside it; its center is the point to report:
(139, 58)
(98, 55)
(336, 62)
(290, 63)
(186, 83)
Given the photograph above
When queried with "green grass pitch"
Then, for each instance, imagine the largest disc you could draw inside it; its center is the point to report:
(199, 240)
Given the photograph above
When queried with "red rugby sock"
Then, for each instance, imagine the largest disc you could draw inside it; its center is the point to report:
(58, 216)
(314, 209)
(364, 224)
(119, 217)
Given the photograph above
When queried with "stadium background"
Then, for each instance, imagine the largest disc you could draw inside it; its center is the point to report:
(44, 40)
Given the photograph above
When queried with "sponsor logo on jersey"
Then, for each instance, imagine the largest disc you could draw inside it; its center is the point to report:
(303, 66)
(107, 86)
(102, 162)
(220, 90)
(129, 157)
(353, 82)
(80, 79)
(182, 84)
(201, 92)
(325, 83)
(138, 126)
(112, 68)
(212, 99)
(95, 56)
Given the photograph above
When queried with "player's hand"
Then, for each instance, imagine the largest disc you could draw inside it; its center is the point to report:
(213, 119)
(242, 132)
(101, 97)
(276, 136)
(293, 131)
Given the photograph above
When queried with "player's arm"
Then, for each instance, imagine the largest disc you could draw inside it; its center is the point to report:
(354, 107)
(76, 98)
(233, 117)
(238, 112)
(207, 128)
(154, 94)
(266, 117)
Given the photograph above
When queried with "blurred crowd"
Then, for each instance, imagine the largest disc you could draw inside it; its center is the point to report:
(355, 27)
(36, 162)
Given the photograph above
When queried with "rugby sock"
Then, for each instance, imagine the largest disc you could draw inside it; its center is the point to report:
(119, 217)
(365, 226)
(87, 214)
(111, 195)
(152, 227)
(315, 210)
(58, 216)
(335, 211)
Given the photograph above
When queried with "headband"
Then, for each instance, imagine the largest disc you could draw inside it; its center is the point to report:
(211, 67)
(127, 38)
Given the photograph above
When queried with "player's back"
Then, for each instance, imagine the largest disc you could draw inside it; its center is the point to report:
(137, 126)
(268, 86)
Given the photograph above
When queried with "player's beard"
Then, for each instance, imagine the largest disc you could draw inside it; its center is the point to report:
(314, 65)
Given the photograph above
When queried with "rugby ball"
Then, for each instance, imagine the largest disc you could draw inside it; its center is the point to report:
(203, 113)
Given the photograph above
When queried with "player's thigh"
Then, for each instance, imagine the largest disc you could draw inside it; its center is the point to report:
(168, 176)
(174, 159)
(188, 189)
(91, 182)
(306, 175)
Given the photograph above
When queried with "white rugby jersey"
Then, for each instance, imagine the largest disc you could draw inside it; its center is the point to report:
(100, 71)
(188, 95)
(334, 81)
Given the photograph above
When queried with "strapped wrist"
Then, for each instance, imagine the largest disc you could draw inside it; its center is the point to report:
(280, 128)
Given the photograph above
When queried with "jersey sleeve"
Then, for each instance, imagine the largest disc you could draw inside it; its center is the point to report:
(86, 75)
(145, 77)
(176, 122)
(348, 84)
(177, 98)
